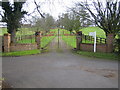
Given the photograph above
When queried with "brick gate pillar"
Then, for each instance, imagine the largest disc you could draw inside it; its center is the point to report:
(78, 39)
(38, 39)
(7, 40)
(110, 41)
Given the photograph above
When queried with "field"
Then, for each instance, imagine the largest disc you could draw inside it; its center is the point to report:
(44, 40)
(71, 40)
(21, 31)
(99, 32)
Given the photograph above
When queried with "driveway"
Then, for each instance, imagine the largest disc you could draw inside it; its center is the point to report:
(60, 68)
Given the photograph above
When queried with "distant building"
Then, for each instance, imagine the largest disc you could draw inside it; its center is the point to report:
(3, 24)
(26, 25)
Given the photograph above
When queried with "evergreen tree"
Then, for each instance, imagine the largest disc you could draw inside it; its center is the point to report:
(12, 15)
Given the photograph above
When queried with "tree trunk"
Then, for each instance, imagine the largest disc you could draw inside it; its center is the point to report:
(13, 34)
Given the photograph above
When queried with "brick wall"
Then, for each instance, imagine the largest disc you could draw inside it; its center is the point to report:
(22, 47)
(10, 47)
(89, 47)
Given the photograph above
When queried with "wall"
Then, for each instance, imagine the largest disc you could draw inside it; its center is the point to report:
(108, 47)
(10, 47)
(22, 47)
(89, 47)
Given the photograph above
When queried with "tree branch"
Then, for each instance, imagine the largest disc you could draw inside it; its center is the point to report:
(37, 7)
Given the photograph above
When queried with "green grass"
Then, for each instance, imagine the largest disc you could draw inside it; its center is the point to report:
(26, 41)
(46, 40)
(25, 31)
(99, 32)
(22, 53)
(20, 32)
(70, 40)
(110, 56)
(3, 31)
(85, 31)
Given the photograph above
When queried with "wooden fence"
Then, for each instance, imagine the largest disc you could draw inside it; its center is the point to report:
(87, 38)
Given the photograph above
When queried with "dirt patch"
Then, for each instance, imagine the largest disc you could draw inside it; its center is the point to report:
(104, 72)
(108, 73)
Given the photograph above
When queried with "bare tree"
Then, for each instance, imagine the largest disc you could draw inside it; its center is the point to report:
(80, 11)
(44, 24)
(107, 16)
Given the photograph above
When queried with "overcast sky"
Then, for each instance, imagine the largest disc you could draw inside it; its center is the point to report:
(53, 7)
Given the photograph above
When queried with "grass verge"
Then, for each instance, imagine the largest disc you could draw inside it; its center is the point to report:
(21, 53)
(110, 56)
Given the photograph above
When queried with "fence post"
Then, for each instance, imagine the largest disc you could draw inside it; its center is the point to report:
(38, 39)
(7, 40)
(78, 39)
(109, 42)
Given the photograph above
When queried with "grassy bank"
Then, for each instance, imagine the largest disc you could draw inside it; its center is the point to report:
(110, 56)
(22, 53)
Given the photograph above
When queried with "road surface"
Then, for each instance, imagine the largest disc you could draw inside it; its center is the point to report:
(60, 68)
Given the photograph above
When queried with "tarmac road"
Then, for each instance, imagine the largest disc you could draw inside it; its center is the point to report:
(59, 68)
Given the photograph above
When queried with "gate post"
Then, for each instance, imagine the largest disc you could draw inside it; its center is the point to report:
(110, 40)
(7, 40)
(78, 39)
(1, 44)
(38, 39)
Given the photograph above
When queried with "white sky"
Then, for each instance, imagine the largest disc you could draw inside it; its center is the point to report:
(53, 7)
